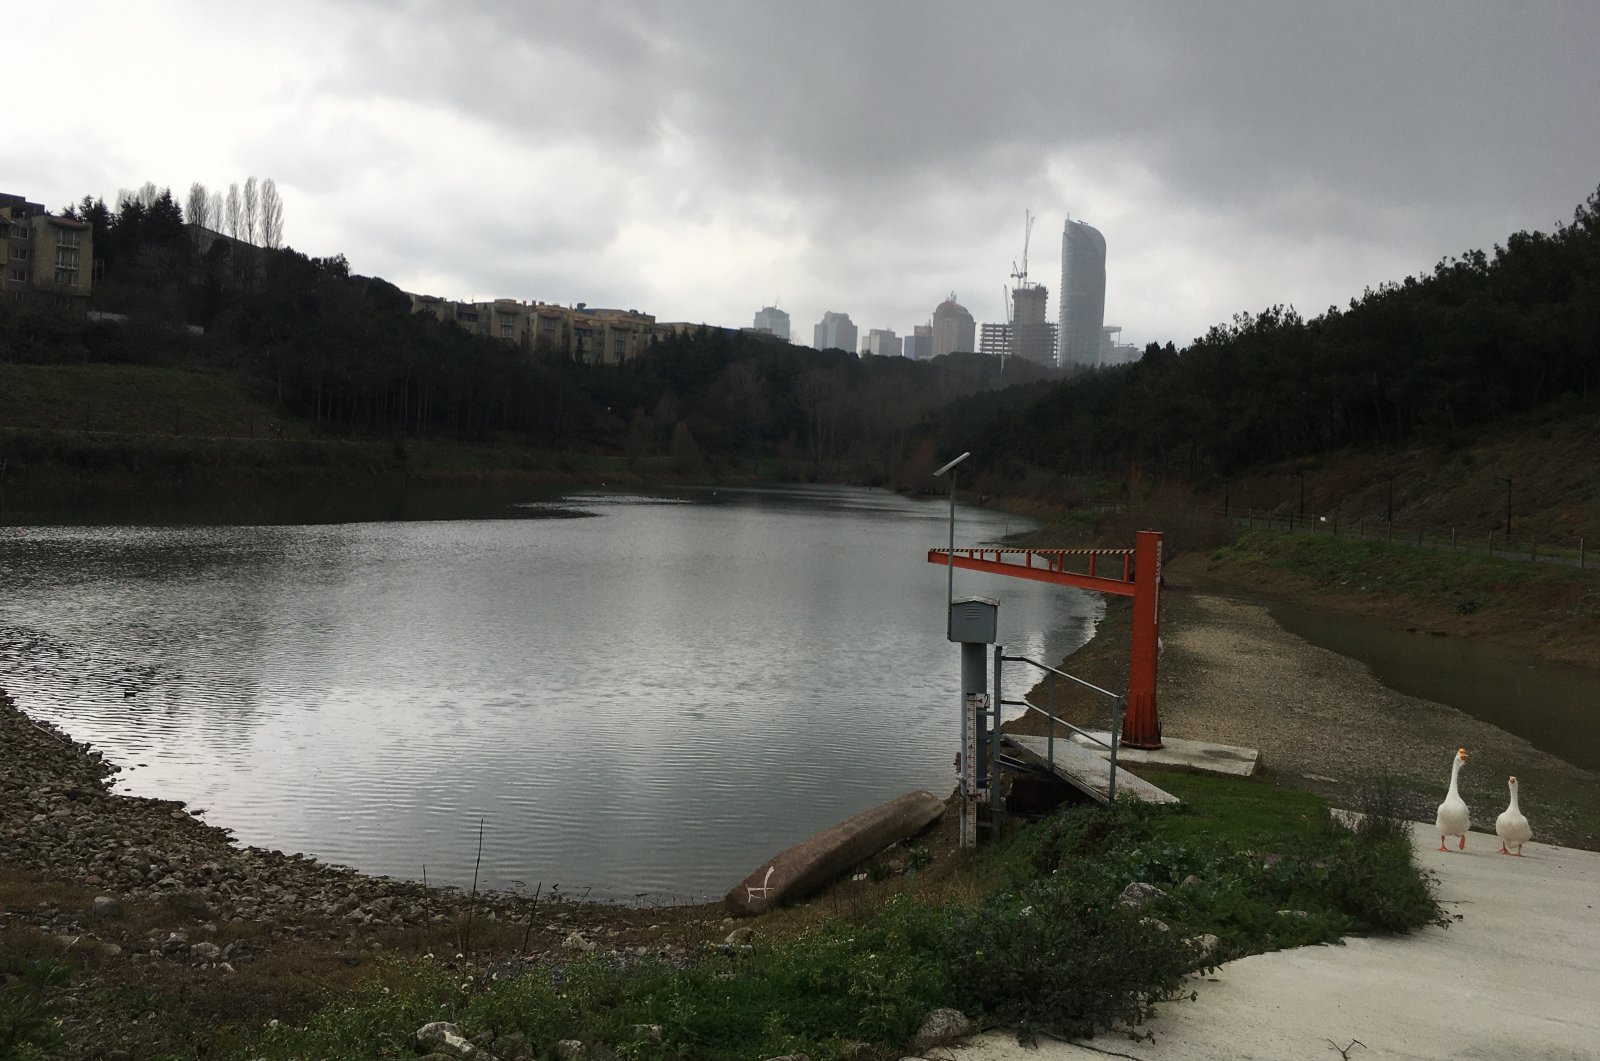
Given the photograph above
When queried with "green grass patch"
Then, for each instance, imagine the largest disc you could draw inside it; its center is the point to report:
(1049, 947)
(1355, 566)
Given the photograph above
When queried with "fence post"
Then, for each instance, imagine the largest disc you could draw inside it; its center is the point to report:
(1580, 554)
(1491, 543)
(1452, 539)
(1533, 547)
(1391, 532)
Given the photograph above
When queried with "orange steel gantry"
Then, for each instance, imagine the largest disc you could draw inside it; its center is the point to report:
(1132, 573)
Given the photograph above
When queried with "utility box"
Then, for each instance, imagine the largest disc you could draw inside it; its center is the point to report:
(974, 620)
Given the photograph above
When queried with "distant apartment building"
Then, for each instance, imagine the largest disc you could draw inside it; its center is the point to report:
(994, 340)
(835, 331)
(1113, 351)
(773, 321)
(919, 344)
(1083, 294)
(1033, 338)
(953, 328)
(585, 334)
(44, 255)
(882, 342)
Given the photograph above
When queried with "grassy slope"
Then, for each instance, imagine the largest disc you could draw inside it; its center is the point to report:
(1548, 609)
(130, 400)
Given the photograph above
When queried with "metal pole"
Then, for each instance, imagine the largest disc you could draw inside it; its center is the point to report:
(994, 748)
(1050, 733)
(1116, 742)
(950, 559)
(1580, 554)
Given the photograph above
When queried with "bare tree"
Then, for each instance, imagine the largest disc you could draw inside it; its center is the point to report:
(148, 193)
(216, 211)
(235, 210)
(197, 210)
(271, 214)
(252, 210)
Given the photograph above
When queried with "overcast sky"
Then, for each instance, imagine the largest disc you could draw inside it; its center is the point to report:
(700, 159)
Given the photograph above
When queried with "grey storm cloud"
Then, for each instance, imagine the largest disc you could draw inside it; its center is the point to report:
(698, 159)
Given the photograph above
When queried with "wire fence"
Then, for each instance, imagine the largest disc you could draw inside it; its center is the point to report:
(1419, 536)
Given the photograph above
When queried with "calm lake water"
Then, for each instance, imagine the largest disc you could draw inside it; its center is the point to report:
(637, 695)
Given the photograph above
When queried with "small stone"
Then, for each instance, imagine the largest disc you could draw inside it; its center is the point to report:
(1293, 913)
(445, 1038)
(1191, 881)
(570, 1050)
(1155, 923)
(1139, 895)
(740, 935)
(105, 908)
(942, 1026)
(1208, 944)
(206, 952)
(650, 1033)
(576, 941)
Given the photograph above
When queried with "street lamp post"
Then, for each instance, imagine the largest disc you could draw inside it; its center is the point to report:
(1507, 481)
(1302, 495)
(950, 557)
(1390, 480)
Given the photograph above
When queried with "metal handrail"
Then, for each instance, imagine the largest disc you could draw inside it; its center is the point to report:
(1085, 734)
(1119, 703)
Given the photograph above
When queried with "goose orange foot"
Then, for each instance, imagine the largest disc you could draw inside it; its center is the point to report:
(1463, 842)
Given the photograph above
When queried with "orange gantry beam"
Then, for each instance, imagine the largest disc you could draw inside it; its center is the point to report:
(1132, 573)
(1050, 565)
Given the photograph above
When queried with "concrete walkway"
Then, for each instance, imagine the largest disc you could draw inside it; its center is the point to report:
(1519, 978)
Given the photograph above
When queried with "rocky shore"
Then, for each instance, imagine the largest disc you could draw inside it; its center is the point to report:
(173, 929)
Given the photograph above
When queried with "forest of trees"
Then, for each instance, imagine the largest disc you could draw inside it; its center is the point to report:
(1484, 337)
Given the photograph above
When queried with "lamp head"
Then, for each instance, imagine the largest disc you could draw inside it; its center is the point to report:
(952, 464)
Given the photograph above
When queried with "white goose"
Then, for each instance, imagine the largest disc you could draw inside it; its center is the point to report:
(1513, 828)
(1453, 818)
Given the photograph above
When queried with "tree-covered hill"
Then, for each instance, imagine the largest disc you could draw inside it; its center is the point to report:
(1435, 358)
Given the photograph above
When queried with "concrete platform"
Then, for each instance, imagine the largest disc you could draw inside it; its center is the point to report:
(1179, 754)
(1518, 977)
(1084, 770)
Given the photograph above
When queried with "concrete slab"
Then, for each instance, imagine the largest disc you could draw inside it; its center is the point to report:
(1085, 770)
(1179, 754)
(1518, 978)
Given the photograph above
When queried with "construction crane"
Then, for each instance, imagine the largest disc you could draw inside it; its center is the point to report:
(1021, 275)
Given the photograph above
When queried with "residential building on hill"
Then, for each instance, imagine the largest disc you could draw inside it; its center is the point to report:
(587, 334)
(44, 255)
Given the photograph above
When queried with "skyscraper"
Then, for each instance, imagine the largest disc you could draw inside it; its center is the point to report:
(834, 332)
(883, 342)
(1032, 337)
(1083, 294)
(773, 320)
(954, 329)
